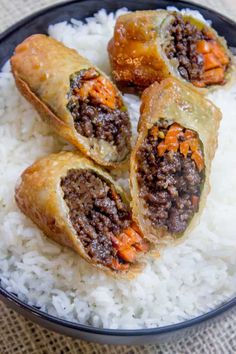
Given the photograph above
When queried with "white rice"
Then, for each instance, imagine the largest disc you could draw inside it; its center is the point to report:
(185, 281)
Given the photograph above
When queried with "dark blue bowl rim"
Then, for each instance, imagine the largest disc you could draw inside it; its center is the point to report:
(119, 332)
(106, 331)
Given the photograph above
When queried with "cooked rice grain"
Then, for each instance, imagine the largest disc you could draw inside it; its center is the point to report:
(186, 281)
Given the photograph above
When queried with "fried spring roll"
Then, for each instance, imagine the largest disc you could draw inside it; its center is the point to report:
(171, 162)
(79, 101)
(78, 205)
(150, 46)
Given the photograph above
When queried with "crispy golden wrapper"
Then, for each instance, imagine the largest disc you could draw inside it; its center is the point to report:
(39, 196)
(43, 68)
(172, 99)
(137, 49)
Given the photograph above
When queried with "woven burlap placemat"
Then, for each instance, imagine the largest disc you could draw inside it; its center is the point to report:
(18, 335)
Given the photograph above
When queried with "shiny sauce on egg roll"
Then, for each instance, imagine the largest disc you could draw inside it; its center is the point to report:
(150, 46)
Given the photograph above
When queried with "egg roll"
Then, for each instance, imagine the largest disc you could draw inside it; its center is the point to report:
(79, 101)
(150, 46)
(171, 161)
(78, 205)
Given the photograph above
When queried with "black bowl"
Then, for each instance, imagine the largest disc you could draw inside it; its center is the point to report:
(38, 23)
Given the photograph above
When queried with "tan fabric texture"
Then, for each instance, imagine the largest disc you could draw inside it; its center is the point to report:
(18, 335)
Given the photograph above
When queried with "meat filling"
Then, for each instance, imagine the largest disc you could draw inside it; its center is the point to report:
(97, 109)
(100, 218)
(170, 175)
(201, 59)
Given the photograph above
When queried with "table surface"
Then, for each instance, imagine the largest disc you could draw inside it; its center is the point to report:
(18, 335)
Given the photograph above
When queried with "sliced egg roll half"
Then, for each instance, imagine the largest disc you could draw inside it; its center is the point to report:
(171, 161)
(150, 46)
(79, 102)
(78, 205)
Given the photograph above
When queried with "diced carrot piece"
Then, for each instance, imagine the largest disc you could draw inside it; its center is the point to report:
(124, 239)
(199, 83)
(136, 228)
(134, 236)
(154, 132)
(203, 47)
(114, 194)
(115, 242)
(172, 134)
(170, 139)
(128, 254)
(131, 237)
(161, 148)
(209, 35)
(104, 91)
(189, 134)
(198, 159)
(128, 243)
(173, 146)
(219, 52)
(83, 91)
(211, 61)
(195, 200)
(194, 144)
(175, 127)
(90, 74)
(101, 89)
(142, 246)
(184, 147)
(214, 76)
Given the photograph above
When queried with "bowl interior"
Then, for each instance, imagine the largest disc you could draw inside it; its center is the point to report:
(38, 23)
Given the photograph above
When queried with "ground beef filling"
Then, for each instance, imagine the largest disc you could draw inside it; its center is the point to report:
(97, 109)
(96, 212)
(170, 181)
(184, 38)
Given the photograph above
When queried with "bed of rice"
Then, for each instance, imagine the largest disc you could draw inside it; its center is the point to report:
(185, 281)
